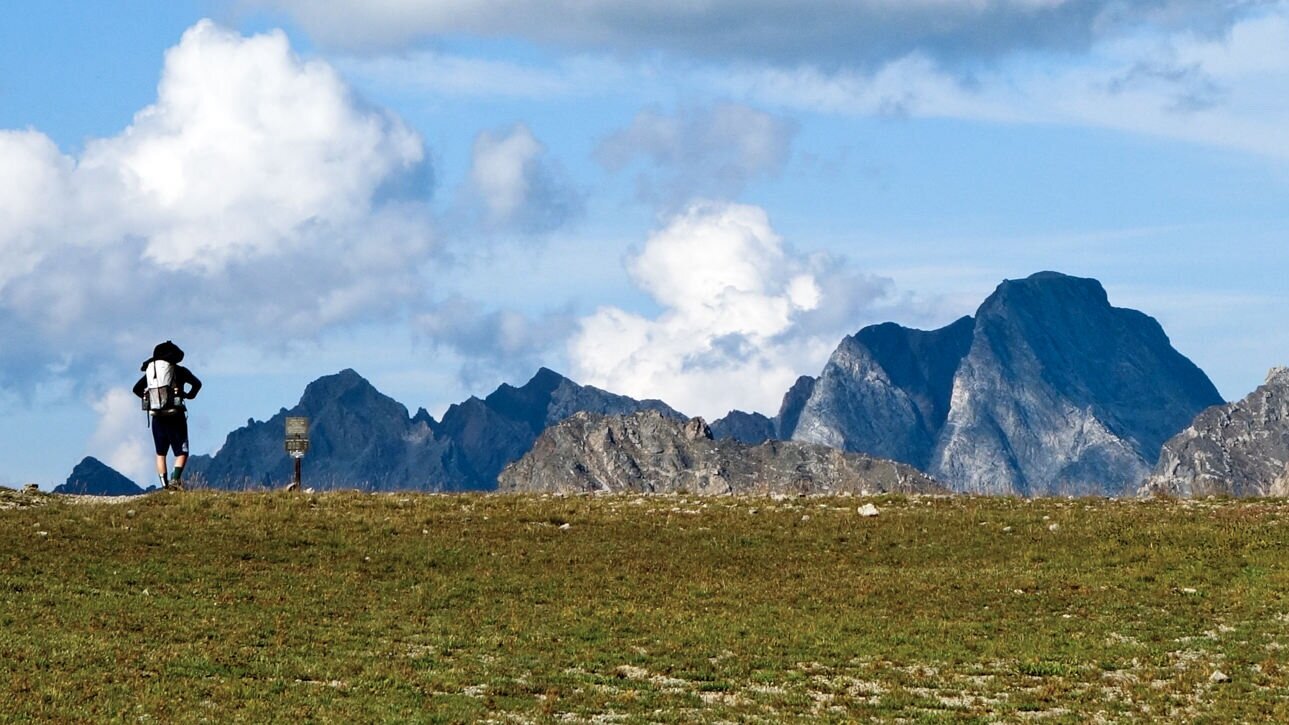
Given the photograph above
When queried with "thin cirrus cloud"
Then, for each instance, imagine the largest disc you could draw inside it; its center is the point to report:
(831, 33)
(1210, 73)
(255, 182)
(1222, 89)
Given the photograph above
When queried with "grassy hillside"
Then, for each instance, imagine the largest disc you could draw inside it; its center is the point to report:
(350, 607)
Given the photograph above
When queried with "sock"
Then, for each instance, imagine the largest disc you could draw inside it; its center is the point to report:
(178, 473)
(162, 476)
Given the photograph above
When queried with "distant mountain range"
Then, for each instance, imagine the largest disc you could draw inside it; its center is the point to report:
(1047, 389)
(361, 438)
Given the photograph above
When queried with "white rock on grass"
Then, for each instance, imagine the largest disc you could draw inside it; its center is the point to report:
(868, 509)
(1219, 676)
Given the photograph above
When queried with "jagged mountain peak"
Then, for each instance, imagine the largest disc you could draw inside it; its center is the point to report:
(1047, 389)
(530, 402)
(1043, 289)
(327, 388)
(1278, 376)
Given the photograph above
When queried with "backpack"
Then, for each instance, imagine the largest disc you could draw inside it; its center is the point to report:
(162, 395)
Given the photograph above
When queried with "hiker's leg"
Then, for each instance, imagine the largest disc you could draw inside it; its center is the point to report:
(161, 464)
(180, 444)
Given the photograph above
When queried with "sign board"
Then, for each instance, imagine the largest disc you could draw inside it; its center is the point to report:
(297, 436)
(297, 427)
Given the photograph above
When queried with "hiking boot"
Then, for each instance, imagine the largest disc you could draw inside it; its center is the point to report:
(175, 485)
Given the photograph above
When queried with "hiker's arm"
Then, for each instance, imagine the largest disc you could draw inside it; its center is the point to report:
(194, 384)
(140, 386)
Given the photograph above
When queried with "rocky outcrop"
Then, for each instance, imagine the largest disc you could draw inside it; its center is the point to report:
(1047, 390)
(361, 438)
(647, 452)
(92, 477)
(1239, 449)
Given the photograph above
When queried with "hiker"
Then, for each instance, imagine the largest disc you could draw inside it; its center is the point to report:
(164, 387)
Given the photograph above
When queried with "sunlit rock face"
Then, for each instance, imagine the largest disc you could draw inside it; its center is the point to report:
(1048, 389)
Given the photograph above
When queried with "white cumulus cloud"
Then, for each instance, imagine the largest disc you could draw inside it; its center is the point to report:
(245, 147)
(739, 316)
(255, 198)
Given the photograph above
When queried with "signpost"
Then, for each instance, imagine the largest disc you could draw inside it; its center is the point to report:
(297, 442)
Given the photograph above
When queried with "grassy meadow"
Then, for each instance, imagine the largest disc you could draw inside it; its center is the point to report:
(347, 607)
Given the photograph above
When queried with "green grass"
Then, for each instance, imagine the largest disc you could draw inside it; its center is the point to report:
(354, 607)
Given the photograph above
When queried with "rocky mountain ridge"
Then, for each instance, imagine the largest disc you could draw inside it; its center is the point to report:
(650, 453)
(1238, 449)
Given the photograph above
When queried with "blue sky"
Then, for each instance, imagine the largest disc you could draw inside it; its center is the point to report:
(686, 201)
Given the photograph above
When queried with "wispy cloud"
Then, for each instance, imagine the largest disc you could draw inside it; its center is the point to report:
(711, 152)
(1226, 90)
(517, 186)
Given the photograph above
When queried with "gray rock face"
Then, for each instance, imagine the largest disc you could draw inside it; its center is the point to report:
(885, 391)
(1239, 449)
(92, 477)
(794, 402)
(1047, 390)
(361, 438)
(647, 452)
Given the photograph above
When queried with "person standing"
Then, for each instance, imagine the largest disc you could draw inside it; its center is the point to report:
(164, 387)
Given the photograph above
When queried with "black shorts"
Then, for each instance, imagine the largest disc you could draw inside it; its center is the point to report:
(170, 432)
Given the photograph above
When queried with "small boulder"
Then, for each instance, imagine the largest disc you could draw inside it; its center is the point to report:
(868, 509)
